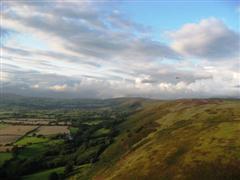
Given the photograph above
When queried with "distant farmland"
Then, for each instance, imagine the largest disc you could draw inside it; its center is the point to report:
(11, 131)
(7, 139)
(52, 130)
(34, 122)
(16, 130)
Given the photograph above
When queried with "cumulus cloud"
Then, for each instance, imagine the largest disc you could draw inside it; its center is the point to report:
(221, 83)
(87, 31)
(209, 39)
(95, 52)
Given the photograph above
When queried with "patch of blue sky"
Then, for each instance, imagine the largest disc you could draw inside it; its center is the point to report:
(166, 15)
(30, 41)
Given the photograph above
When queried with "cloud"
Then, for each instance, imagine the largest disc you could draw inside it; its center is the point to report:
(46, 54)
(220, 83)
(209, 39)
(171, 75)
(58, 87)
(98, 52)
(87, 31)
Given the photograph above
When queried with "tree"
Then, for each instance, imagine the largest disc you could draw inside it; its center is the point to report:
(54, 176)
(68, 168)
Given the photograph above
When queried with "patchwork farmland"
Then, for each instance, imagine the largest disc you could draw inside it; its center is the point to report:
(27, 131)
(34, 122)
(11, 133)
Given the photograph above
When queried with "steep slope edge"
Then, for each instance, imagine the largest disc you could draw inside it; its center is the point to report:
(183, 139)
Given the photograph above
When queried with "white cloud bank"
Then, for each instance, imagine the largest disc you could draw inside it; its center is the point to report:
(98, 53)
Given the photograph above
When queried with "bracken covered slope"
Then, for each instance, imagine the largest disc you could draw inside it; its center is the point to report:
(182, 139)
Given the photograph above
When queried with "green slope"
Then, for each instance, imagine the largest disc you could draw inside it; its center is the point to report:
(4, 156)
(183, 139)
(44, 175)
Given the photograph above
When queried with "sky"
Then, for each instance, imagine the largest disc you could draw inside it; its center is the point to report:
(107, 49)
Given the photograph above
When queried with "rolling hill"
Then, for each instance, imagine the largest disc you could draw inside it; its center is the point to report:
(182, 139)
(130, 138)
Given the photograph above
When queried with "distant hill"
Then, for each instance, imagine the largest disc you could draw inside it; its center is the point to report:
(23, 102)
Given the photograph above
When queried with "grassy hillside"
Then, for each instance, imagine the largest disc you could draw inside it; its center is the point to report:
(44, 175)
(183, 139)
(127, 139)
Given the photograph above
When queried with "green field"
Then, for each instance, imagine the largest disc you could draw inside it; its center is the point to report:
(102, 131)
(37, 149)
(2, 125)
(44, 175)
(31, 140)
(93, 122)
(73, 130)
(32, 150)
(4, 156)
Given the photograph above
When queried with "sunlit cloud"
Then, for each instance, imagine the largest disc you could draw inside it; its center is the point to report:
(91, 50)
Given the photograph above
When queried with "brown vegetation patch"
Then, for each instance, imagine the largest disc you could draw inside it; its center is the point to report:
(17, 130)
(52, 130)
(5, 148)
(199, 101)
(6, 139)
(11, 134)
(215, 170)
